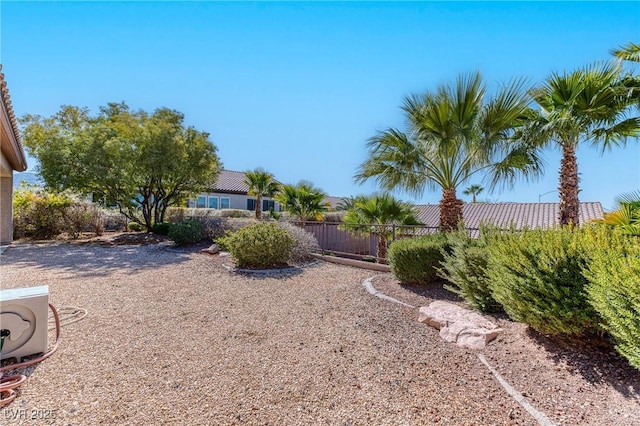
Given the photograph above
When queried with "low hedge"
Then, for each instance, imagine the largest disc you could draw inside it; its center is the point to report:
(415, 260)
(261, 245)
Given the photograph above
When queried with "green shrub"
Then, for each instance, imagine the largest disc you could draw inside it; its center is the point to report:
(537, 278)
(186, 232)
(414, 260)
(134, 227)
(614, 288)
(161, 228)
(262, 245)
(465, 267)
(39, 214)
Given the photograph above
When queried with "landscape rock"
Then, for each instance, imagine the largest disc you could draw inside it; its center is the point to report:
(459, 325)
(213, 249)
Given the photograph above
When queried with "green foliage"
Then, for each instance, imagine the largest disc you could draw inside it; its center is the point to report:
(414, 260)
(627, 216)
(261, 184)
(161, 228)
(262, 245)
(465, 267)
(303, 201)
(537, 277)
(186, 232)
(134, 227)
(141, 162)
(39, 214)
(614, 290)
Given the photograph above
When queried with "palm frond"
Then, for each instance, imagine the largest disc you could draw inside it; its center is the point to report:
(628, 52)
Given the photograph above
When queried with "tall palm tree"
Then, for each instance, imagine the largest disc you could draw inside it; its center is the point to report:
(304, 201)
(371, 215)
(453, 134)
(473, 190)
(261, 184)
(587, 105)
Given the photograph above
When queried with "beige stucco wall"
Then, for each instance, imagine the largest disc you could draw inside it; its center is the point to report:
(6, 203)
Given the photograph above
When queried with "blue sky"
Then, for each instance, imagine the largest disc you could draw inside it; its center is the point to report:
(298, 88)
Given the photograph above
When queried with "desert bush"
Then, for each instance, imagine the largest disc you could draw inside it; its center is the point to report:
(613, 272)
(39, 214)
(304, 243)
(465, 267)
(187, 232)
(261, 245)
(414, 260)
(114, 220)
(537, 277)
(84, 217)
(134, 227)
(161, 228)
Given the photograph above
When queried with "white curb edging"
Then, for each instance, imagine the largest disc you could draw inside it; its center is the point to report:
(372, 290)
(539, 416)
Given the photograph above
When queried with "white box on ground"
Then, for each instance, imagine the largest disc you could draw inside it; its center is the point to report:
(24, 321)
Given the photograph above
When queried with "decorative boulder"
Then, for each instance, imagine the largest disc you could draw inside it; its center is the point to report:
(213, 249)
(459, 325)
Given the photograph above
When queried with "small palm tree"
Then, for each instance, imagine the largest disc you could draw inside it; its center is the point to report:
(261, 184)
(453, 134)
(473, 190)
(588, 105)
(627, 217)
(371, 215)
(303, 201)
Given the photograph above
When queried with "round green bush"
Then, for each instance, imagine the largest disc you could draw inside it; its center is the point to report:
(161, 228)
(262, 245)
(537, 278)
(414, 261)
(186, 232)
(134, 227)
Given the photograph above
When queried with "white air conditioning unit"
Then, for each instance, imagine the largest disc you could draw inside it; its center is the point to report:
(24, 321)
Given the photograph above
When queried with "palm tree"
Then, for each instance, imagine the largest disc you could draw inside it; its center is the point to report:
(627, 217)
(588, 105)
(629, 52)
(261, 184)
(473, 190)
(452, 135)
(371, 215)
(303, 201)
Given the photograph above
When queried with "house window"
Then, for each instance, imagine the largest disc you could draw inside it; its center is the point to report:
(201, 202)
(213, 202)
(268, 205)
(251, 204)
(225, 203)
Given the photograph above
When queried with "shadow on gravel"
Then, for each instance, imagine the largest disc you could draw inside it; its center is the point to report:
(435, 290)
(595, 359)
(91, 260)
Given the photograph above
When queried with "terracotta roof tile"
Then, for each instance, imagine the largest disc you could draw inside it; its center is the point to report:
(6, 100)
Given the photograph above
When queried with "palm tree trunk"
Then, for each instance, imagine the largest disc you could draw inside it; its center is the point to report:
(450, 210)
(258, 207)
(382, 249)
(568, 190)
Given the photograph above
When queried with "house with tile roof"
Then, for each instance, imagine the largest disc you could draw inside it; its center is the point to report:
(231, 192)
(506, 215)
(12, 158)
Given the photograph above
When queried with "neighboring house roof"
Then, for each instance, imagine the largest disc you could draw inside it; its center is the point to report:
(10, 142)
(231, 182)
(334, 201)
(504, 215)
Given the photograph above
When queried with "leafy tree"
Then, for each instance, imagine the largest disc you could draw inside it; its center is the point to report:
(371, 215)
(261, 184)
(142, 163)
(303, 200)
(453, 134)
(589, 105)
(473, 190)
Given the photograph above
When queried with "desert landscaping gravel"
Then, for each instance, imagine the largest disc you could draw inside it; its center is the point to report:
(173, 337)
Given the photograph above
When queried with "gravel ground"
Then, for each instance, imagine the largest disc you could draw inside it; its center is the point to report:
(172, 337)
